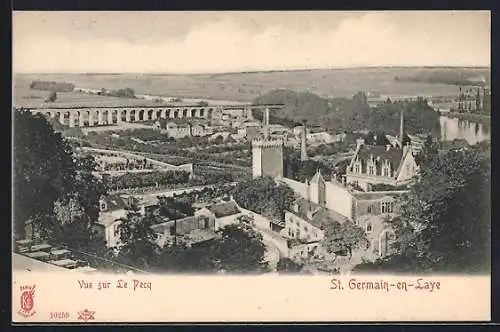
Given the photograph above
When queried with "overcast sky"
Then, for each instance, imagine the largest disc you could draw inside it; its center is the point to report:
(189, 42)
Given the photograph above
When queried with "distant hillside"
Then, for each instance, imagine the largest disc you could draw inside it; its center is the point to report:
(455, 76)
(342, 114)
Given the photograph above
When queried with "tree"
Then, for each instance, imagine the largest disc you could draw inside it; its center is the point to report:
(137, 240)
(286, 265)
(238, 250)
(44, 171)
(264, 196)
(52, 97)
(445, 223)
(345, 237)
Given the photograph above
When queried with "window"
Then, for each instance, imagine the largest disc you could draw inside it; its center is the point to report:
(369, 227)
(386, 207)
(370, 208)
(103, 206)
(371, 170)
(305, 228)
(356, 168)
(386, 171)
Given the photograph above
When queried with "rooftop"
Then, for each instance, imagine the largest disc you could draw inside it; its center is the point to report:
(224, 209)
(320, 214)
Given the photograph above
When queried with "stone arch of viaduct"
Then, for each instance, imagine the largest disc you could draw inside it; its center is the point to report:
(94, 116)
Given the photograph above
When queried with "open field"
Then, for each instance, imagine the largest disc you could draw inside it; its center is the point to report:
(242, 86)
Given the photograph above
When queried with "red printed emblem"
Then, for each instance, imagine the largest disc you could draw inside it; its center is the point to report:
(27, 301)
(86, 315)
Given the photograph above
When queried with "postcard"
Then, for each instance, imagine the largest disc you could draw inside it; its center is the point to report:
(214, 167)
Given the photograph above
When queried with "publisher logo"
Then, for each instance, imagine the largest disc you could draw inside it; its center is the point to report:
(86, 315)
(27, 301)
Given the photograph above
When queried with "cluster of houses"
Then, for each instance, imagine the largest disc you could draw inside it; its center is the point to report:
(193, 230)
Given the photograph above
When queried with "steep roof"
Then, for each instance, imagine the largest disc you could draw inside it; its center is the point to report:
(317, 178)
(380, 154)
(224, 209)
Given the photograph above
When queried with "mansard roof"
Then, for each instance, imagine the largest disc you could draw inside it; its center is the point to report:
(380, 155)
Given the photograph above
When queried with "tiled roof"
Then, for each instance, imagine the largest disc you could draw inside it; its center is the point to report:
(224, 209)
(320, 214)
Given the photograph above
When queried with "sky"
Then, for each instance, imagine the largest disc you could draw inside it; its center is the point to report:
(214, 42)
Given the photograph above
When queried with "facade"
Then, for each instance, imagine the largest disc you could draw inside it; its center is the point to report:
(112, 209)
(191, 230)
(267, 158)
(221, 214)
(388, 165)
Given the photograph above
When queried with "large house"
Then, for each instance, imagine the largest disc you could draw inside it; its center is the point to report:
(112, 209)
(221, 214)
(387, 165)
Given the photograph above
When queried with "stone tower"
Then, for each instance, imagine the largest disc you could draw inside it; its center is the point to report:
(267, 157)
(267, 154)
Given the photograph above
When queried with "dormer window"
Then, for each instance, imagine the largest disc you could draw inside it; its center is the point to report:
(103, 205)
(369, 227)
(357, 168)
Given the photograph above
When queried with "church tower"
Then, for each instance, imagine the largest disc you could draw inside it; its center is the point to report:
(267, 154)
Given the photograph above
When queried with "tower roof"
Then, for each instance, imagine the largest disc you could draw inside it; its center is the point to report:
(317, 178)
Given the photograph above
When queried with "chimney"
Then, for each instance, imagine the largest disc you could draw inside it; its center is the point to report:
(359, 143)
(303, 145)
(401, 128)
(266, 123)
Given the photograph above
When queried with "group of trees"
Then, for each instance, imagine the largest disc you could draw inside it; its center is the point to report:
(149, 179)
(302, 170)
(121, 93)
(52, 86)
(342, 114)
(343, 238)
(236, 249)
(53, 189)
(445, 224)
(264, 196)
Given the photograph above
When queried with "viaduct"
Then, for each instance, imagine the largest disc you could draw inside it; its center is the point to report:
(90, 116)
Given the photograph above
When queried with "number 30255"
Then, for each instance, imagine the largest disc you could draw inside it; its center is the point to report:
(59, 315)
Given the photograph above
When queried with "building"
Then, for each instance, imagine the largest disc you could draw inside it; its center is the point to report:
(221, 214)
(470, 100)
(112, 209)
(388, 165)
(175, 130)
(192, 230)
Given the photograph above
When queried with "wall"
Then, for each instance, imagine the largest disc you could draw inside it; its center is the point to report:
(256, 162)
(272, 161)
(299, 188)
(298, 228)
(339, 199)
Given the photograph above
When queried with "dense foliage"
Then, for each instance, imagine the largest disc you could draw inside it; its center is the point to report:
(264, 196)
(122, 93)
(52, 86)
(238, 250)
(342, 114)
(149, 179)
(445, 224)
(44, 170)
(54, 189)
(302, 170)
(343, 238)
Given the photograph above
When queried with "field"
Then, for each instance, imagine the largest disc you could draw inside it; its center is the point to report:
(240, 86)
